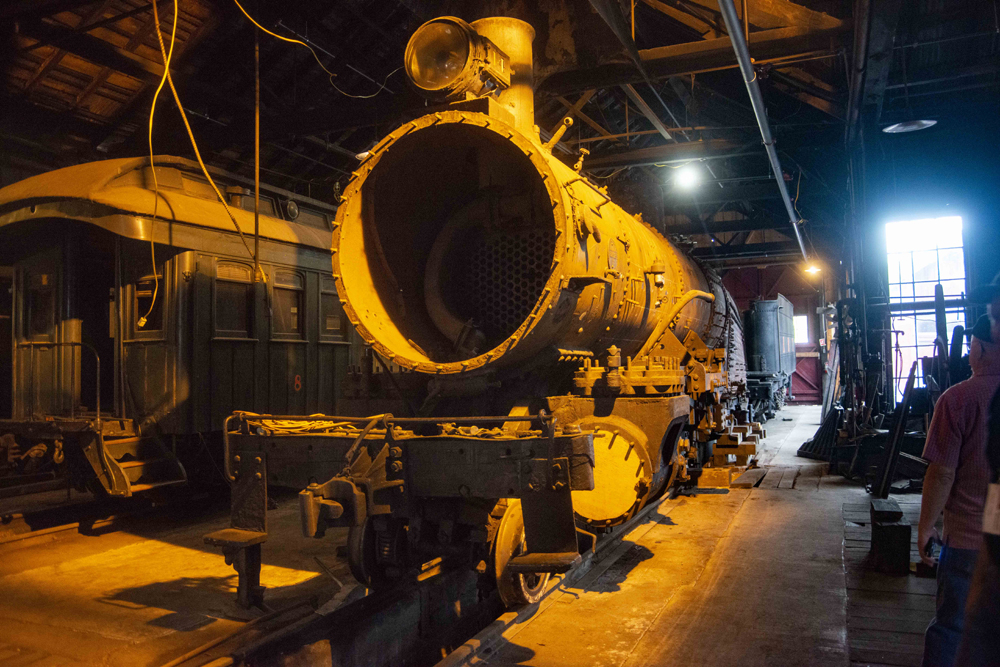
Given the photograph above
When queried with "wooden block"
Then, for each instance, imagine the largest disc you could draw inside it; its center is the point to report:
(885, 509)
(748, 479)
(714, 478)
(729, 440)
(891, 546)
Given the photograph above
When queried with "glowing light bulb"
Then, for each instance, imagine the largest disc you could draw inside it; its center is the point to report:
(813, 269)
(687, 177)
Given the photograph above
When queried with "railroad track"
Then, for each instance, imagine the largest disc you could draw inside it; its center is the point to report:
(437, 619)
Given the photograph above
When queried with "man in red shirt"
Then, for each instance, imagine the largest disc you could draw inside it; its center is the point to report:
(956, 482)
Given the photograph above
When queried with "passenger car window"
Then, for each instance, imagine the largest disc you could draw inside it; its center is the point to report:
(288, 301)
(233, 295)
(40, 306)
(332, 325)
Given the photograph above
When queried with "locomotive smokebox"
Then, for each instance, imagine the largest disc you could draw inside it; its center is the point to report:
(463, 245)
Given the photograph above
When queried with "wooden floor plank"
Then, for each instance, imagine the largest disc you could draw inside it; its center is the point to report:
(891, 639)
(772, 478)
(915, 625)
(788, 478)
(874, 656)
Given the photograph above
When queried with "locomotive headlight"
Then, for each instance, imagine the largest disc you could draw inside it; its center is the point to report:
(446, 59)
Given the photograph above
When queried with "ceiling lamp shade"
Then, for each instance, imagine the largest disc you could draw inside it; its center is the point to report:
(909, 126)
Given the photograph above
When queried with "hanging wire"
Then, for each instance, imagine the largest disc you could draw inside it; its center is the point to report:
(330, 74)
(152, 166)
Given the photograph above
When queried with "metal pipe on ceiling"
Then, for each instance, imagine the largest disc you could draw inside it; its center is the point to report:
(733, 27)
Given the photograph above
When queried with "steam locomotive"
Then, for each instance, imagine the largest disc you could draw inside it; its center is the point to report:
(487, 277)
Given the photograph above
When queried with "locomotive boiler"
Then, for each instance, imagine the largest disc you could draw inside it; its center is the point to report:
(490, 278)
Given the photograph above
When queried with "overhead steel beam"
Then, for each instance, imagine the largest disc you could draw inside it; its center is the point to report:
(757, 100)
(694, 57)
(777, 14)
(717, 195)
(667, 153)
(884, 19)
(633, 95)
(757, 250)
(722, 226)
(700, 26)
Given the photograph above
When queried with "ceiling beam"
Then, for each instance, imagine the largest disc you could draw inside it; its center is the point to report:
(721, 195)
(578, 112)
(760, 250)
(675, 152)
(574, 110)
(19, 9)
(779, 14)
(724, 226)
(694, 57)
(94, 49)
(884, 19)
(636, 98)
(701, 27)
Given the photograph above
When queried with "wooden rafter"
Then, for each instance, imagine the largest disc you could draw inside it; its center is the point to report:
(54, 58)
(584, 117)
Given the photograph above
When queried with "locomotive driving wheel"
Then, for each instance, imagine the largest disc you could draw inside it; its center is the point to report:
(515, 588)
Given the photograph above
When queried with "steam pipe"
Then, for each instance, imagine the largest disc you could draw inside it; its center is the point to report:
(735, 29)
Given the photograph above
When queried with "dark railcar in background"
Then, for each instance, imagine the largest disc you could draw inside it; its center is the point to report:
(129, 406)
(769, 329)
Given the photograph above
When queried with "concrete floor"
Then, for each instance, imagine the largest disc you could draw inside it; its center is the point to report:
(744, 577)
(146, 595)
(748, 577)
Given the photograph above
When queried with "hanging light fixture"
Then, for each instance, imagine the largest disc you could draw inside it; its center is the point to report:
(909, 126)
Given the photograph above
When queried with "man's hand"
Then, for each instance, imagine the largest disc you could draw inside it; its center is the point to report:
(924, 536)
(937, 488)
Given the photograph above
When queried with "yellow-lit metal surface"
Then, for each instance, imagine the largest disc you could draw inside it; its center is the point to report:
(118, 196)
(463, 245)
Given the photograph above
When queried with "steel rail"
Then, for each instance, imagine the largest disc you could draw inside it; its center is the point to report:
(734, 28)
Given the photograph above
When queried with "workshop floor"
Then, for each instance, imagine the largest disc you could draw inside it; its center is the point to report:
(749, 577)
(145, 595)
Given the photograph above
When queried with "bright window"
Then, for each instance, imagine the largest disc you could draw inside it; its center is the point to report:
(921, 254)
(801, 329)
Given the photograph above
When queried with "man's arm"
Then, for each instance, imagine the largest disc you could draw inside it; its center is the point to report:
(937, 487)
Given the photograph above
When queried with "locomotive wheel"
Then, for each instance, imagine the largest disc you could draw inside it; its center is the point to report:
(515, 588)
(362, 556)
(623, 473)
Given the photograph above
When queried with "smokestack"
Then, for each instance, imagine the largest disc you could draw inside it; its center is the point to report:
(514, 37)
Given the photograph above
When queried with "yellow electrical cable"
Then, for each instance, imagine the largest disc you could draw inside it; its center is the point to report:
(318, 61)
(187, 126)
(287, 39)
(152, 166)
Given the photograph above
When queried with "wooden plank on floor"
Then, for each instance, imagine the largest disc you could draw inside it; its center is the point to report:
(772, 478)
(901, 641)
(748, 479)
(914, 625)
(788, 478)
(893, 600)
(891, 613)
(869, 656)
